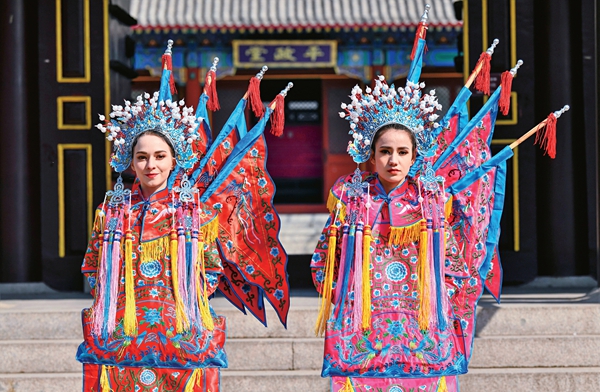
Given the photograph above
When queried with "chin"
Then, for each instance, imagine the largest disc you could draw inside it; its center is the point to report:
(396, 179)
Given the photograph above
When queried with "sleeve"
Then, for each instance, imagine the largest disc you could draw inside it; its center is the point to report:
(90, 264)
(319, 257)
(213, 266)
(455, 264)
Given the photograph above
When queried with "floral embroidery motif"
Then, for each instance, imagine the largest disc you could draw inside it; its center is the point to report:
(151, 269)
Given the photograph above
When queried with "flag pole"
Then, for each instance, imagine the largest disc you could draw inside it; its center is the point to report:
(538, 127)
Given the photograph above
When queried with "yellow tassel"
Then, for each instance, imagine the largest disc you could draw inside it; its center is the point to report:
(423, 280)
(207, 319)
(347, 386)
(334, 208)
(104, 384)
(130, 318)
(366, 272)
(182, 321)
(154, 250)
(210, 231)
(99, 221)
(101, 245)
(326, 288)
(194, 381)
(448, 208)
(99, 228)
(404, 235)
(442, 387)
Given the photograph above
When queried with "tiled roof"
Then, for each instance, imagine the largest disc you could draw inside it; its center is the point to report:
(288, 13)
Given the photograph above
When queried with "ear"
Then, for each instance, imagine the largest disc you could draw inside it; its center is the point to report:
(174, 164)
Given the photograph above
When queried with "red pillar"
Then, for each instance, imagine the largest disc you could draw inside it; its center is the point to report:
(192, 88)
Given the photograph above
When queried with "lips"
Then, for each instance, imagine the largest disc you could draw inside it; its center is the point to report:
(151, 175)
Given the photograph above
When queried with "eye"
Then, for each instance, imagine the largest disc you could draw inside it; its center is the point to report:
(141, 157)
(161, 156)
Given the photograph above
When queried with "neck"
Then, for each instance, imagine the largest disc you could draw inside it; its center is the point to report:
(388, 186)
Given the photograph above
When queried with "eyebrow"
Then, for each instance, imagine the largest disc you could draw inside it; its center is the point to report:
(156, 152)
(402, 147)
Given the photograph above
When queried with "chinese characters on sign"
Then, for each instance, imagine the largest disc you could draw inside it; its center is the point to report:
(284, 54)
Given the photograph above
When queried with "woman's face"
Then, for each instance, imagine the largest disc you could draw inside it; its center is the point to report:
(152, 163)
(393, 157)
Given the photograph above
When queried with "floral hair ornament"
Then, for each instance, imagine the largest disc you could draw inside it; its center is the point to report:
(373, 109)
(172, 119)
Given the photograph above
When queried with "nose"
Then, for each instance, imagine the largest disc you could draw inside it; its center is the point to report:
(393, 161)
(151, 163)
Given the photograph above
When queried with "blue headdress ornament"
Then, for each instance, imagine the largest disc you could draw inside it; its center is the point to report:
(383, 105)
(174, 120)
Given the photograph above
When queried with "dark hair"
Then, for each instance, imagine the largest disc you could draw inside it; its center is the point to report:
(153, 132)
(399, 127)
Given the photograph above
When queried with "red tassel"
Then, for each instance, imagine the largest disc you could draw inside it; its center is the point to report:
(167, 63)
(278, 115)
(546, 137)
(421, 33)
(210, 87)
(482, 82)
(506, 82)
(254, 97)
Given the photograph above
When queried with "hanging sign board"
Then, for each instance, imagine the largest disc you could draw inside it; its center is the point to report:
(284, 54)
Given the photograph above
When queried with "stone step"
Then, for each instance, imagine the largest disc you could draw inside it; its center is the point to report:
(538, 319)
(58, 356)
(61, 319)
(278, 354)
(496, 380)
(531, 380)
(536, 351)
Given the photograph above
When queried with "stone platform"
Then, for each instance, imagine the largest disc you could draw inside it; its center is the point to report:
(539, 339)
